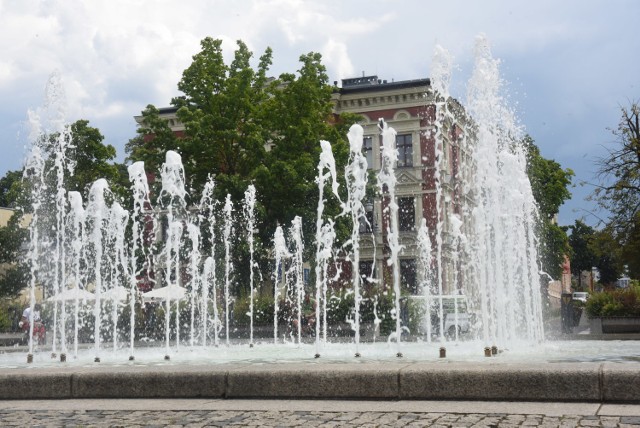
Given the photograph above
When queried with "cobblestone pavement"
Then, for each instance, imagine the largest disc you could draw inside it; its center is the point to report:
(225, 418)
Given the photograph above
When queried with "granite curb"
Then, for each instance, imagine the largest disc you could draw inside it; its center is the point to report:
(583, 382)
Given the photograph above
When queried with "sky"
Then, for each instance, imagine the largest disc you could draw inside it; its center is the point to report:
(568, 67)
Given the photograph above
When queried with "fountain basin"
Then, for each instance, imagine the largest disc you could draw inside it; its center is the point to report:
(398, 380)
(581, 370)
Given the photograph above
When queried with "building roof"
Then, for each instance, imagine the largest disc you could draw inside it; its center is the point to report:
(351, 85)
(372, 83)
(167, 110)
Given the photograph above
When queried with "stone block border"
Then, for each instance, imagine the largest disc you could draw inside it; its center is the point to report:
(578, 382)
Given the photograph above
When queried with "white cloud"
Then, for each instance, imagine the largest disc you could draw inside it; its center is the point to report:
(6, 71)
(335, 55)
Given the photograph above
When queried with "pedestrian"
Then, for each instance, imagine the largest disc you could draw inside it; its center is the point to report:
(39, 332)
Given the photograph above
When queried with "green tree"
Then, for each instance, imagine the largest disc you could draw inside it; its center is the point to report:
(13, 272)
(154, 139)
(243, 127)
(619, 189)
(549, 182)
(583, 258)
(619, 173)
(554, 246)
(607, 252)
(219, 109)
(550, 186)
(10, 188)
(630, 251)
(87, 158)
(299, 114)
(92, 158)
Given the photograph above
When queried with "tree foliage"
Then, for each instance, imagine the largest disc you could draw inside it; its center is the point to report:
(554, 245)
(220, 111)
(13, 272)
(607, 252)
(619, 190)
(154, 138)
(630, 251)
(10, 188)
(243, 127)
(92, 158)
(299, 114)
(87, 159)
(550, 186)
(619, 173)
(549, 182)
(583, 258)
(595, 248)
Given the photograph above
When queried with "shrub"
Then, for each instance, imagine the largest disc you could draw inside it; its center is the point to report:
(340, 308)
(615, 303)
(262, 310)
(10, 315)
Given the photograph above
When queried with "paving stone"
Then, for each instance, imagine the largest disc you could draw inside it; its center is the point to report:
(610, 422)
(99, 418)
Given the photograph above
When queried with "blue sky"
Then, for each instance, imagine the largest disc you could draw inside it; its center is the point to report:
(568, 65)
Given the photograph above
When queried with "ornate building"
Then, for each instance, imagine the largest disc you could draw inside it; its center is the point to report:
(432, 155)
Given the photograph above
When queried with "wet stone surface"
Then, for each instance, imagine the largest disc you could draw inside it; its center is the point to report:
(219, 418)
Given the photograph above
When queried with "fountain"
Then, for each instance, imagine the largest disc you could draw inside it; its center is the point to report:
(325, 236)
(207, 218)
(356, 182)
(487, 247)
(250, 216)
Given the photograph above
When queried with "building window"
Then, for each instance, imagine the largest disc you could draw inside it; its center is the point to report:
(366, 222)
(367, 150)
(406, 214)
(367, 276)
(405, 150)
(408, 277)
(367, 271)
